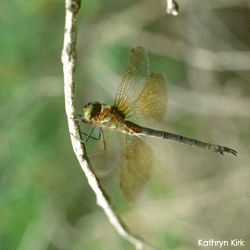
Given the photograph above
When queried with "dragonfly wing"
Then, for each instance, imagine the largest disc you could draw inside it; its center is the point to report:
(107, 160)
(143, 99)
(150, 106)
(135, 78)
(135, 167)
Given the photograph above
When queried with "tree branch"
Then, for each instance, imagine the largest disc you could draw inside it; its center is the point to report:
(172, 7)
(69, 64)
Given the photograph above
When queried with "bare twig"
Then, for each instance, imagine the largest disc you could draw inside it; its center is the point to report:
(69, 63)
(172, 7)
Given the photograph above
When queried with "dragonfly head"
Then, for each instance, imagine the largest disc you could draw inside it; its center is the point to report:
(91, 111)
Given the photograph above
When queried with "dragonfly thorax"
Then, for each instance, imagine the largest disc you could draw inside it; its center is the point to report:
(91, 111)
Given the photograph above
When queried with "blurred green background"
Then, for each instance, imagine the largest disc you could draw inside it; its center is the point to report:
(45, 200)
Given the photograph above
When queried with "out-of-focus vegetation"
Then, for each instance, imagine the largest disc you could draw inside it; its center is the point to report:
(45, 200)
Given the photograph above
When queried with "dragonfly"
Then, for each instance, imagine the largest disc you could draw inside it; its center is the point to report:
(140, 103)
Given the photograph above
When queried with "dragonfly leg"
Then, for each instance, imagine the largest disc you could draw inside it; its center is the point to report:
(104, 145)
(78, 120)
(89, 134)
(77, 138)
(97, 139)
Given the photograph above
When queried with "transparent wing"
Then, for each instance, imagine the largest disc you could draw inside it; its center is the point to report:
(104, 161)
(135, 167)
(142, 98)
(135, 78)
(150, 106)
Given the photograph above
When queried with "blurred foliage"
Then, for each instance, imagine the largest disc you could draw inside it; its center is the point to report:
(45, 200)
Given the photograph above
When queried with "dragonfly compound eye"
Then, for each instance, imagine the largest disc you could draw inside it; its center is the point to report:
(91, 110)
(96, 110)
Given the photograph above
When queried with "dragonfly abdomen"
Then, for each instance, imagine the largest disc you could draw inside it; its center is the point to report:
(186, 140)
(132, 126)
